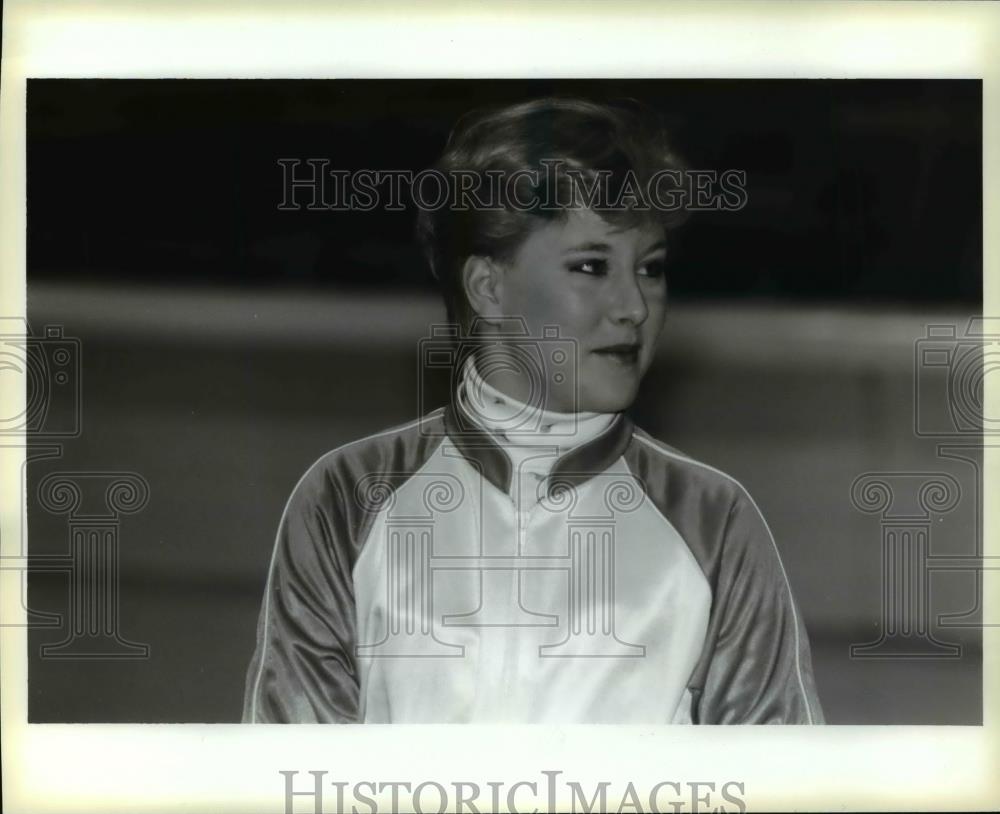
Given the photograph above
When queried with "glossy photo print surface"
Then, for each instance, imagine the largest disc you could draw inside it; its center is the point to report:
(505, 401)
(588, 408)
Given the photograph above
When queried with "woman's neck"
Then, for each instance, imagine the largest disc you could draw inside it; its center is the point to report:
(515, 419)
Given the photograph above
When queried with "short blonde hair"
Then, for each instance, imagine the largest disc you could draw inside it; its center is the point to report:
(519, 145)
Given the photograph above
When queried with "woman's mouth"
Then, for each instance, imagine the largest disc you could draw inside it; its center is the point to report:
(625, 355)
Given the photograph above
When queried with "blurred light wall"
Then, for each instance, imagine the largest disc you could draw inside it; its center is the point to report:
(222, 397)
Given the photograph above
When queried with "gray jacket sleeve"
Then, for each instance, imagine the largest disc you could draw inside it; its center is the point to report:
(303, 669)
(760, 667)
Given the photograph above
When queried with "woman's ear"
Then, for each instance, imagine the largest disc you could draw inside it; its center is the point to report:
(482, 281)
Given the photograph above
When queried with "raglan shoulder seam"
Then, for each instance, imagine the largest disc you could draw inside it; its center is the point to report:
(394, 430)
(675, 455)
(255, 691)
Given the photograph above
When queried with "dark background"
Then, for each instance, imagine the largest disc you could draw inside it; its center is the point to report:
(227, 344)
(860, 191)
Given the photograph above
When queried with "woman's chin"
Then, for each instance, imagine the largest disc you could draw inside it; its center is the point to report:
(607, 399)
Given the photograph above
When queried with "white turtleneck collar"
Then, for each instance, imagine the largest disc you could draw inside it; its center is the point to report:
(523, 429)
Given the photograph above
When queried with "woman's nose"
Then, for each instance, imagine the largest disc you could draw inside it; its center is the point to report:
(629, 302)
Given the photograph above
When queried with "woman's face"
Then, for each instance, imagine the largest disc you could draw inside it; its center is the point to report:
(605, 288)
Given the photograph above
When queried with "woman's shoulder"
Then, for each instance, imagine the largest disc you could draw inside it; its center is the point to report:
(704, 504)
(399, 448)
(658, 463)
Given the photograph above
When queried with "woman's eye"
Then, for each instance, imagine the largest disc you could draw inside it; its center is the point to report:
(593, 266)
(653, 268)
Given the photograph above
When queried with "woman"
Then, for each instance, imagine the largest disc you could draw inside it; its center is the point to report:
(526, 554)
